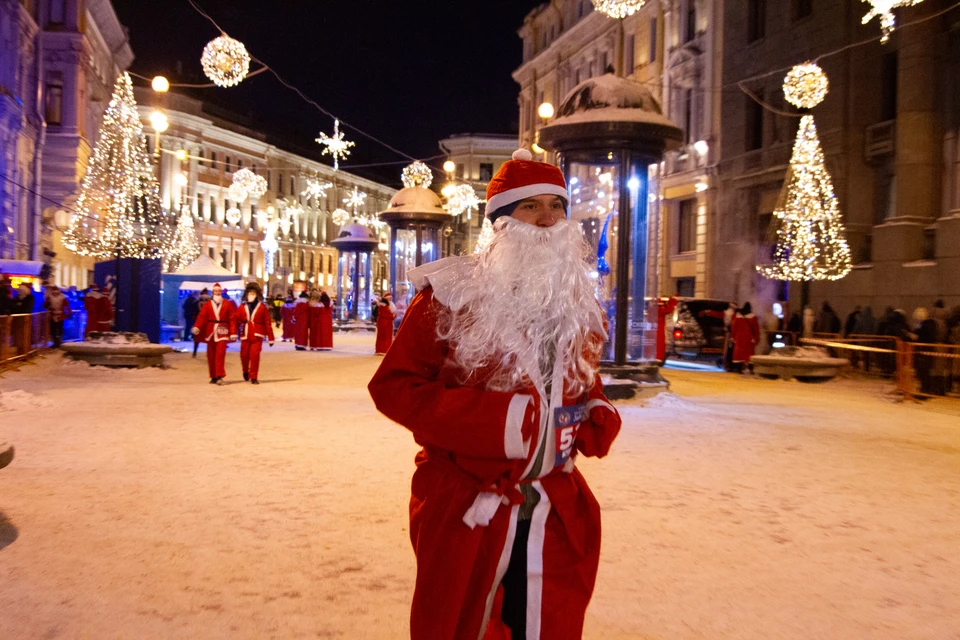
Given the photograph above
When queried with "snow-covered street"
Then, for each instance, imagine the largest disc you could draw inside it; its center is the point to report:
(151, 504)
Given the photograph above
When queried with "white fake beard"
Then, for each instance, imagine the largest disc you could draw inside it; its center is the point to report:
(218, 299)
(535, 297)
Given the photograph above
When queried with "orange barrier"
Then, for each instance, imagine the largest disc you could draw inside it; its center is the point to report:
(22, 336)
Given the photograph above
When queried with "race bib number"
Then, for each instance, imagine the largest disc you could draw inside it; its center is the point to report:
(222, 331)
(566, 420)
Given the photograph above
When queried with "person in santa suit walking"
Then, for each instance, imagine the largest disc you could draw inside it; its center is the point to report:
(286, 314)
(324, 336)
(386, 313)
(99, 311)
(301, 320)
(255, 325)
(664, 309)
(216, 325)
(495, 370)
(745, 332)
(315, 311)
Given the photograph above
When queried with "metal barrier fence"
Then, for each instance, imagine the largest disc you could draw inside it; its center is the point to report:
(22, 336)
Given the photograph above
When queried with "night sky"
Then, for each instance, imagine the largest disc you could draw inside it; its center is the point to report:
(409, 72)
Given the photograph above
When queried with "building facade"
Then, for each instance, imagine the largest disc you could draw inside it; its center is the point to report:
(213, 148)
(477, 158)
(888, 126)
(59, 63)
(672, 46)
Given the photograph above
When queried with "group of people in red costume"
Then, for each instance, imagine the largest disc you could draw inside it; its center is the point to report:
(308, 322)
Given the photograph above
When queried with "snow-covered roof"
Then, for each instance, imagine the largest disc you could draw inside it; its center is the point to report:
(21, 267)
(415, 200)
(608, 98)
(205, 266)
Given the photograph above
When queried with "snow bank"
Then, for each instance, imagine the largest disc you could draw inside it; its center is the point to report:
(17, 400)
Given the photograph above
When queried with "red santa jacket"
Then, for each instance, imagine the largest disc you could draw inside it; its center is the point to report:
(745, 331)
(217, 323)
(478, 446)
(257, 327)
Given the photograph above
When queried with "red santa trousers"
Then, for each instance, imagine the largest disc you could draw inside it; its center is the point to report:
(217, 358)
(250, 356)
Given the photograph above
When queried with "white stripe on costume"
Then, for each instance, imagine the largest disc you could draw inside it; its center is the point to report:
(538, 531)
(502, 565)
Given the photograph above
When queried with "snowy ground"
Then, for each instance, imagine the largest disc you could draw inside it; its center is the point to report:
(150, 504)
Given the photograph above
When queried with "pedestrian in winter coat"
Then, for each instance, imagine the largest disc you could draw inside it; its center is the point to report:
(301, 319)
(202, 299)
(386, 314)
(191, 307)
(216, 325)
(828, 322)
(502, 390)
(6, 296)
(25, 300)
(746, 334)
(286, 314)
(849, 326)
(866, 325)
(254, 325)
(58, 310)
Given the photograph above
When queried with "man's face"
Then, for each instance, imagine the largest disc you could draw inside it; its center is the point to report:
(540, 211)
(217, 291)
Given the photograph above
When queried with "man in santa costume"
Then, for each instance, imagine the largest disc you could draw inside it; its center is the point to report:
(216, 325)
(324, 337)
(495, 371)
(286, 313)
(386, 313)
(255, 325)
(99, 311)
(301, 320)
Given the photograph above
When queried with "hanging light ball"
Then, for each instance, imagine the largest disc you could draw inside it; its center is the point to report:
(237, 193)
(417, 175)
(254, 185)
(805, 85)
(618, 8)
(233, 216)
(225, 61)
(340, 217)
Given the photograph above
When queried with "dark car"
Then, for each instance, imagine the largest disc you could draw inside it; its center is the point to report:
(694, 332)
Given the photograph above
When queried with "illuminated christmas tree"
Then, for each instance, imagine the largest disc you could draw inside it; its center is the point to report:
(811, 238)
(184, 247)
(118, 213)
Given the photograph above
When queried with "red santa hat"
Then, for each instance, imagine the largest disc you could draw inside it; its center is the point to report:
(522, 178)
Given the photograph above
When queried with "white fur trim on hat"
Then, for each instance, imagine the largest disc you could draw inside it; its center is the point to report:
(510, 196)
(522, 154)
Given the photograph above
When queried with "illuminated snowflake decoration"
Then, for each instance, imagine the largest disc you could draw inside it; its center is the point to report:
(618, 8)
(805, 86)
(237, 193)
(340, 217)
(417, 175)
(233, 216)
(254, 185)
(335, 146)
(463, 199)
(225, 61)
(355, 199)
(315, 188)
(884, 9)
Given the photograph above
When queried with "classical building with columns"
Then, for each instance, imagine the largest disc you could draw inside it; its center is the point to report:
(58, 63)
(889, 129)
(215, 146)
(673, 47)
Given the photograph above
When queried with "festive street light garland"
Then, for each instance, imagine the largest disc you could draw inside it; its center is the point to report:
(462, 199)
(225, 61)
(237, 193)
(618, 8)
(417, 175)
(805, 86)
(335, 146)
(254, 185)
(884, 9)
(233, 216)
(315, 188)
(184, 249)
(340, 217)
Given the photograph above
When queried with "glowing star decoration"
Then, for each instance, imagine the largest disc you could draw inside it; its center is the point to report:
(884, 9)
(237, 193)
(811, 239)
(462, 199)
(254, 185)
(355, 199)
(225, 61)
(315, 188)
(618, 8)
(118, 211)
(233, 216)
(335, 146)
(805, 86)
(485, 237)
(340, 217)
(417, 175)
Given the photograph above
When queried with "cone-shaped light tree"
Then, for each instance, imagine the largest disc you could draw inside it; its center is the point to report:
(184, 247)
(118, 213)
(811, 239)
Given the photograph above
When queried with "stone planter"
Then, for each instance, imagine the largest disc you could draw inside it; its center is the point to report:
(118, 350)
(806, 364)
